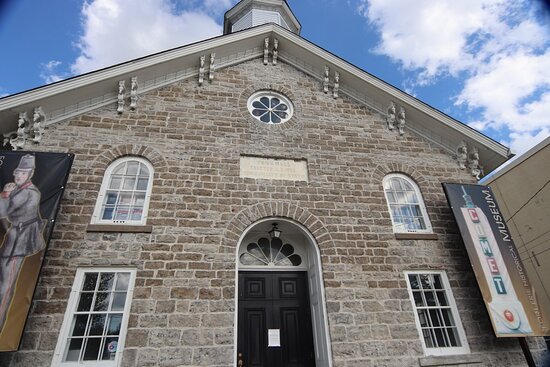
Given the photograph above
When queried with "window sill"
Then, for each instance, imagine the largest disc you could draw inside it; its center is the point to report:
(450, 360)
(120, 228)
(416, 236)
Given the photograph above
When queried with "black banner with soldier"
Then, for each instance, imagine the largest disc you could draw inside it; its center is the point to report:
(33, 185)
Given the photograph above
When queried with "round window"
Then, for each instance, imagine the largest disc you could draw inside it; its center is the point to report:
(270, 107)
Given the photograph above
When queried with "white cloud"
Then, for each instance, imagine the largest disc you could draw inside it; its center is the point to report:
(498, 49)
(521, 142)
(505, 89)
(50, 72)
(115, 31)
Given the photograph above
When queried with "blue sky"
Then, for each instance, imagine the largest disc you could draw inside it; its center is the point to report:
(483, 62)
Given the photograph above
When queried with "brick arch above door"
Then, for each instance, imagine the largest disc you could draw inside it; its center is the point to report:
(283, 209)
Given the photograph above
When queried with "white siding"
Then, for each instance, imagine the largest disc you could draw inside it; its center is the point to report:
(243, 23)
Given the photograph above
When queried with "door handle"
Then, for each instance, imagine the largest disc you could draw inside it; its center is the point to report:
(240, 362)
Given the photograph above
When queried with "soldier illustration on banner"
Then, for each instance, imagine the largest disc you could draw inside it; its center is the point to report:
(19, 204)
(32, 186)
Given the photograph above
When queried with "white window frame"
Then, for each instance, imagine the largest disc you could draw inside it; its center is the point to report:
(66, 327)
(439, 351)
(96, 216)
(396, 227)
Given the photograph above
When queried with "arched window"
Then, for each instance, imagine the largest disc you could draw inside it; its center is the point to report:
(407, 209)
(125, 192)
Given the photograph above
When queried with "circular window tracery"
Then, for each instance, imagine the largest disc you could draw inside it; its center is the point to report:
(270, 107)
(270, 253)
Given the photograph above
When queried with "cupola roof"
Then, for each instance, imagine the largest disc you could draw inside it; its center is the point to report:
(251, 13)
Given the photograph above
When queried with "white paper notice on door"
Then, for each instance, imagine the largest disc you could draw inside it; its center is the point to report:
(274, 338)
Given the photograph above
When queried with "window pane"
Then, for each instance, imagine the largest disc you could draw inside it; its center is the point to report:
(144, 171)
(119, 170)
(106, 282)
(108, 213)
(73, 351)
(428, 338)
(448, 317)
(435, 317)
(92, 349)
(430, 298)
(115, 182)
(411, 197)
(423, 318)
(396, 184)
(121, 213)
(400, 197)
(265, 246)
(296, 260)
(437, 282)
(418, 299)
(80, 323)
(391, 197)
(85, 302)
(142, 184)
(255, 251)
(90, 280)
(125, 198)
(440, 338)
(114, 324)
(453, 336)
(139, 199)
(129, 183)
(442, 298)
(97, 325)
(102, 301)
(413, 281)
(110, 349)
(247, 259)
(122, 282)
(111, 198)
(119, 300)
(426, 281)
(132, 168)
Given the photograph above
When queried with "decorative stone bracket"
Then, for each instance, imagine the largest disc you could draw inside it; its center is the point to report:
(469, 160)
(121, 95)
(335, 84)
(133, 93)
(274, 53)
(27, 131)
(393, 118)
(211, 68)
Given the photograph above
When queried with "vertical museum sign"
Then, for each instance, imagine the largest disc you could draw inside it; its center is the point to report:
(510, 300)
(32, 185)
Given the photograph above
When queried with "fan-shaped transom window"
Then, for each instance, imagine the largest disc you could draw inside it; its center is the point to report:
(274, 252)
(406, 206)
(270, 107)
(125, 192)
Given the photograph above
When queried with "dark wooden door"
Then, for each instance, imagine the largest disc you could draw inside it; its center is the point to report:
(274, 300)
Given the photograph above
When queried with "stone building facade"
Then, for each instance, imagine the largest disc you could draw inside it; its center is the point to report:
(184, 302)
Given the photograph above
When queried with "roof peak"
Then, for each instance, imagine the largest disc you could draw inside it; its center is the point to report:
(250, 13)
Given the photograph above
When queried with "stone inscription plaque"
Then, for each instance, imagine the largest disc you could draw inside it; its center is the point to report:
(274, 169)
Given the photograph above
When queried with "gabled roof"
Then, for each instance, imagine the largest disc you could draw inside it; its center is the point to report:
(80, 94)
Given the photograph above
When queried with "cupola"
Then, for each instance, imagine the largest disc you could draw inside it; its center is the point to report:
(251, 13)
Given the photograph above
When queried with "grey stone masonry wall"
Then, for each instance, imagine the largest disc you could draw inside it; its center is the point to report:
(183, 309)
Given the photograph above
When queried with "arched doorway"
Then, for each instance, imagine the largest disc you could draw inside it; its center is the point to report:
(281, 316)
